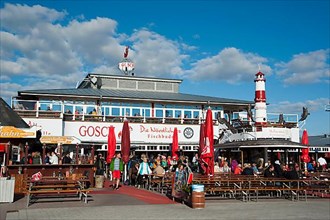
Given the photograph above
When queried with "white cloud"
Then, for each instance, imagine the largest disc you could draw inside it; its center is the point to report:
(296, 107)
(22, 18)
(8, 90)
(231, 65)
(95, 41)
(48, 53)
(159, 55)
(305, 68)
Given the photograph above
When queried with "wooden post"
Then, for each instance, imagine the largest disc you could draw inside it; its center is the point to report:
(299, 160)
(26, 153)
(265, 156)
(286, 156)
(92, 154)
(60, 157)
(242, 158)
(43, 153)
(7, 153)
(77, 153)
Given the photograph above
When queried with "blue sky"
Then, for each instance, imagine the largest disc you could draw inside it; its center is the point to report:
(214, 46)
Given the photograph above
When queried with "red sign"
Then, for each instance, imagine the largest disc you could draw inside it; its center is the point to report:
(2, 147)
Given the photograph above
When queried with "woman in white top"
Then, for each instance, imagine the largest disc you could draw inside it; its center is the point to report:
(144, 171)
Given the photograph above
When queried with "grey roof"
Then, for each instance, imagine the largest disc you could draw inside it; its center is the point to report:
(131, 77)
(270, 143)
(9, 117)
(319, 140)
(132, 95)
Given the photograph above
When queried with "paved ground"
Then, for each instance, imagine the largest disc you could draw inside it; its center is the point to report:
(125, 204)
(219, 210)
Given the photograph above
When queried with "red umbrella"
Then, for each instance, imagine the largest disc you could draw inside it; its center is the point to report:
(304, 138)
(111, 144)
(208, 151)
(125, 142)
(305, 151)
(175, 143)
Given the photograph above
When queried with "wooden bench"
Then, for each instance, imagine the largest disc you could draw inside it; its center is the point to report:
(247, 188)
(81, 193)
(53, 186)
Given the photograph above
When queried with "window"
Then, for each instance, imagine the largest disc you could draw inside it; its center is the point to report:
(136, 112)
(115, 111)
(196, 114)
(159, 113)
(177, 113)
(146, 112)
(187, 114)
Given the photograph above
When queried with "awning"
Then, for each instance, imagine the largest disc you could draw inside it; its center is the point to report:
(261, 143)
(13, 132)
(59, 140)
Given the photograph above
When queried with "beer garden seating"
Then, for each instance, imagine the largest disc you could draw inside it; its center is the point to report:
(248, 188)
(59, 187)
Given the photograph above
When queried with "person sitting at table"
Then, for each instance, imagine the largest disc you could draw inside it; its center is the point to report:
(318, 167)
(247, 170)
(47, 158)
(291, 174)
(238, 169)
(163, 163)
(225, 168)
(66, 159)
(36, 158)
(53, 158)
(278, 169)
(217, 169)
(269, 172)
(255, 169)
(159, 170)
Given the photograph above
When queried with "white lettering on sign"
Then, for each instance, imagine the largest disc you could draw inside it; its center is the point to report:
(151, 129)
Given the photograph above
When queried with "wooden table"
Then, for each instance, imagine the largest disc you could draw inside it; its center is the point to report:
(61, 187)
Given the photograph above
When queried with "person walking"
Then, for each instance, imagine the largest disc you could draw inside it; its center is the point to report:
(116, 167)
(144, 172)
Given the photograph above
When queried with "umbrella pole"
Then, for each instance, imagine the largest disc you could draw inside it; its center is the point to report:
(299, 160)
(125, 172)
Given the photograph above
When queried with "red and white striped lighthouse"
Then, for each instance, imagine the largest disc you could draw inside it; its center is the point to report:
(260, 100)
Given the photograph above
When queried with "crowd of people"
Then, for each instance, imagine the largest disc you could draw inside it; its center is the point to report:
(139, 168)
(51, 158)
(276, 168)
